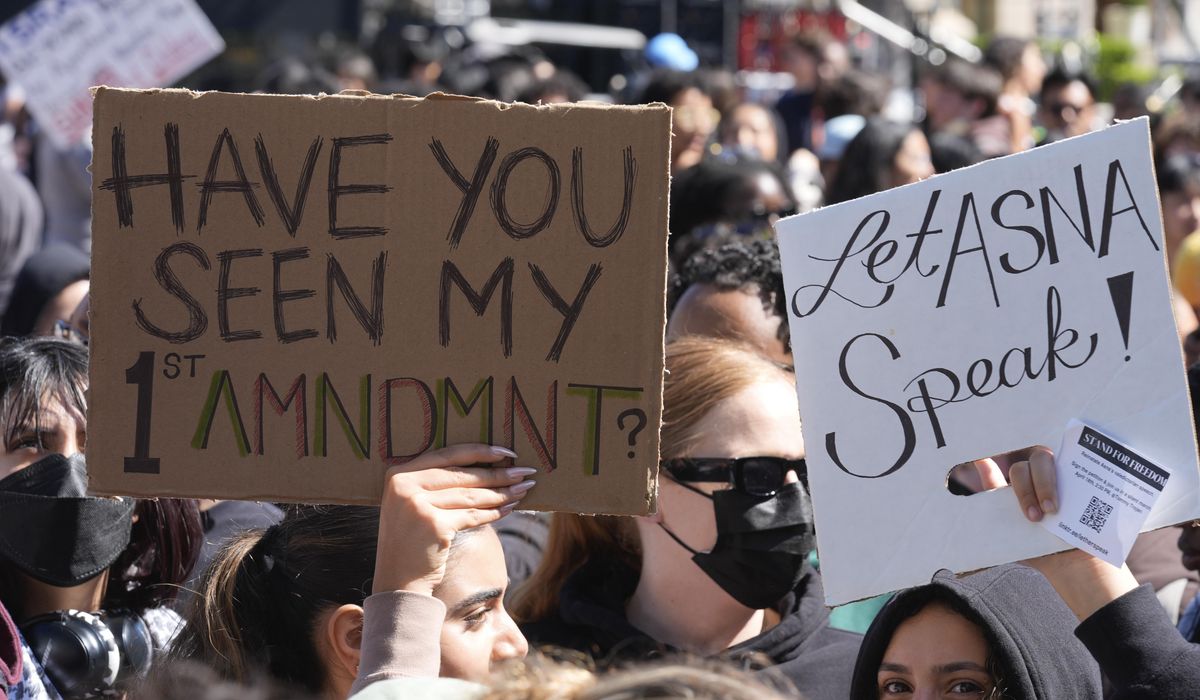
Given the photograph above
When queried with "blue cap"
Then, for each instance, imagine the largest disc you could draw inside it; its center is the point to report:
(671, 51)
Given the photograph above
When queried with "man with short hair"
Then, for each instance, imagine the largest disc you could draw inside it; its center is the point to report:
(1067, 106)
(735, 291)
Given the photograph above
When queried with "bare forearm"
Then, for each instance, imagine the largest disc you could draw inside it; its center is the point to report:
(1085, 583)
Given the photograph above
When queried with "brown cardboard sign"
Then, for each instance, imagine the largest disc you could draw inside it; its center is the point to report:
(290, 294)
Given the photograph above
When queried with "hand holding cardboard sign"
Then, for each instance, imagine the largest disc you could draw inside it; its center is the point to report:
(1086, 583)
(428, 501)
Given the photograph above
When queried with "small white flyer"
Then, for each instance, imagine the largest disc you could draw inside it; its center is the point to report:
(1105, 493)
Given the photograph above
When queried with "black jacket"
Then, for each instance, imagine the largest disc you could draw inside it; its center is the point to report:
(591, 618)
(1140, 651)
(1028, 627)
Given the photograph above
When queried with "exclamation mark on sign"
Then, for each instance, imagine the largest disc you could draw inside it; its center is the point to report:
(1121, 290)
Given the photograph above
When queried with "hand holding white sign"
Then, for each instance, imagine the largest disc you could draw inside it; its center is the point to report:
(1035, 482)
(1085, 582)
(969, 315)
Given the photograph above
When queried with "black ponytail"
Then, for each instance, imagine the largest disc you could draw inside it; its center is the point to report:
(260, 600)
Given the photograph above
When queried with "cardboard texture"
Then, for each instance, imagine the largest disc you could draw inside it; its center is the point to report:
(290, 294)
(972, 314)
(56, 50)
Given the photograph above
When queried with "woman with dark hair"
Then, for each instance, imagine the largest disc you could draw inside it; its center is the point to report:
(334, 598)
(885, 154)
(1001, 633)
(1048, 628)
(85, 578)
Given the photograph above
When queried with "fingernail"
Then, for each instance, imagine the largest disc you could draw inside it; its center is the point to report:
(508, 508)
(1033, 513)
(522, 487)
(519, 472)
(1048, 506)
(503, 452)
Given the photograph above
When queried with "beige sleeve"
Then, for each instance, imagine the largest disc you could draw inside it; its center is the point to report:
(401, 637)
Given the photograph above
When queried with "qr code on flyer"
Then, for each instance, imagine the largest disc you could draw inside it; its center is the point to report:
(1096, 514)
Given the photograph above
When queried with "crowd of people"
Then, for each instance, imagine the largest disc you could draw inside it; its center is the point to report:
(449, 589)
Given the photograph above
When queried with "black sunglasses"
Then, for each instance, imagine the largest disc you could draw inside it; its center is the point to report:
(757, 476)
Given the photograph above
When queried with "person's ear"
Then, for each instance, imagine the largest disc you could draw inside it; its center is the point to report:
(343, 638)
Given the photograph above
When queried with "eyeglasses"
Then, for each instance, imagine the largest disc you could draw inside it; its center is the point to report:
(757, 476)
(66, 331)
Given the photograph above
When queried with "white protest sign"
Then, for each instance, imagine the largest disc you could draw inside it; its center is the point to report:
(57, 49)
(969, 315)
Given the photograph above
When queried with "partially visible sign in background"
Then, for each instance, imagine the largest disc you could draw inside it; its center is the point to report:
(291, 294)
(972, 314)
(57, 49)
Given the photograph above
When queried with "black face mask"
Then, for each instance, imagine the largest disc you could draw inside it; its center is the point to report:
(52, 530)
(762, 544)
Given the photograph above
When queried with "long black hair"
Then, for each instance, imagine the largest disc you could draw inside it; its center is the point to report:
(260, 599)
(866, 166)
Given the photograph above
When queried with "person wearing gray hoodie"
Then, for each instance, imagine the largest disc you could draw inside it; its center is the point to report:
(1048, 628)
(1015, 642)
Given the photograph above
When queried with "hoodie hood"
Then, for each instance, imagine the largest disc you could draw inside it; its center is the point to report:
(1029, 629)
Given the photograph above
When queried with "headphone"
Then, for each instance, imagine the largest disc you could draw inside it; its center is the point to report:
(89, 655)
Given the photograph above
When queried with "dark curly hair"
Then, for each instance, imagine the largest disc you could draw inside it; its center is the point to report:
(738, 266)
